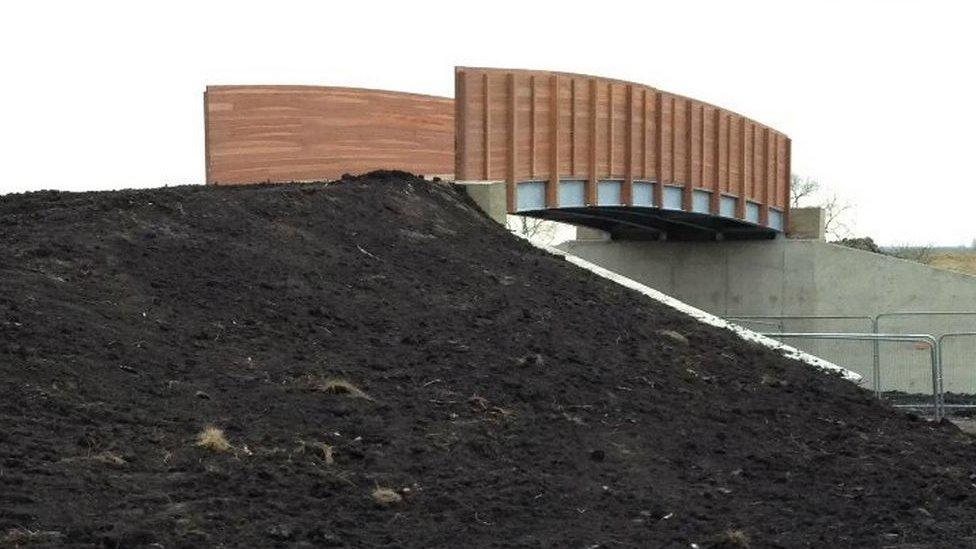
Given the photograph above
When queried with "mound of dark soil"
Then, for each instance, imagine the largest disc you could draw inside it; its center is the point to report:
(380, 333)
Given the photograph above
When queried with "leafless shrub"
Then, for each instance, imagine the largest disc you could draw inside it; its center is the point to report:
(674, 336)
(386, 497)
(109, 458)
(731, 539)
(213, 439)
(339, 386)
(327, 451)
(17, 537)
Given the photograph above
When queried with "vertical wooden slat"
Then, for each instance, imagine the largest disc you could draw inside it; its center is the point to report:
(591, 182)
(740, 206)
(460, 125)
(572, 127)
(716, 202)
(777, 160)
(752, 160)
(769, 141)
(728, 152)
(701, 148)
(773, 178)
(780, 165)
(659, 150)
(687, 194)
(784, 179)
(644, 130)
(627, 194)
(609, 129)
(532, 142)
(764, 192)
(672, 178)
(552, 187)
(487, 135)
(510, 187)
(774, 167)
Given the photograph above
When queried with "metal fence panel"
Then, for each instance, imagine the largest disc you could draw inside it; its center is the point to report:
(913, 383)
(918, 359)
(905, 372)
(958, 355)
(898, 363)
(855, 355)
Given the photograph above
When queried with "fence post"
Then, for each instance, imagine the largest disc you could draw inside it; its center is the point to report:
(936, 378)
(877, 359)
(935, 356)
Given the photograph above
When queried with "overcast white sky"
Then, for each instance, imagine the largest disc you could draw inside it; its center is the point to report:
(878, 96)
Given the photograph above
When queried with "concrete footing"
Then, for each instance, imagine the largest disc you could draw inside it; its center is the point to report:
(782, 277)
(807, 223)
(489, 196)
(586, 234)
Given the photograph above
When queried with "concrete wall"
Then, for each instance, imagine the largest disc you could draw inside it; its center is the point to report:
(811, 277)
(782, 277)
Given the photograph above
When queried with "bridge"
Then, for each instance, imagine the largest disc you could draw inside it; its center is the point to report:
(625, 158)
(621, 157)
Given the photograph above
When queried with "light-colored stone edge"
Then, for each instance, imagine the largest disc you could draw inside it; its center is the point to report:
(707, 318)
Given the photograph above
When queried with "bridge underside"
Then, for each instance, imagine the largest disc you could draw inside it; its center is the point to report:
(637, 223)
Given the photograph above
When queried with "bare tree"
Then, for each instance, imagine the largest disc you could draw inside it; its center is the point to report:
(802, 188)
(835, 216)
(533, 228)
(809, 191)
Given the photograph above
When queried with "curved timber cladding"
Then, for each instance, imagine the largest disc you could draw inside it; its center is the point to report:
(615, 143)
(257, 134)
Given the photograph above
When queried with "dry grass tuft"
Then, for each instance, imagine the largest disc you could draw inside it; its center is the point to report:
(16, 537)
(386, 497)
(674, 336)
(109, 458)
(481, 404)
(338, 386)
(327, 452)
(771, 381)
(732, 539)
(213, 439)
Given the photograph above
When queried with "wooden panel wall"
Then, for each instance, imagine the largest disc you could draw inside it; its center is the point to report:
(299, 133)
(517, 125)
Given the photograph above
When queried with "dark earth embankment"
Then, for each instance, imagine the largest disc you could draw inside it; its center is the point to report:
(510, 399)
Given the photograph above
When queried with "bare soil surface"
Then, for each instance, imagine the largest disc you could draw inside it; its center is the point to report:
(388, 368)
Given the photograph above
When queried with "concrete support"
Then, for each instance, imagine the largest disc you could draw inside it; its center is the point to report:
(782, 277)
(489, 196)
(792, 277)
(588, 234)
(807, 223)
